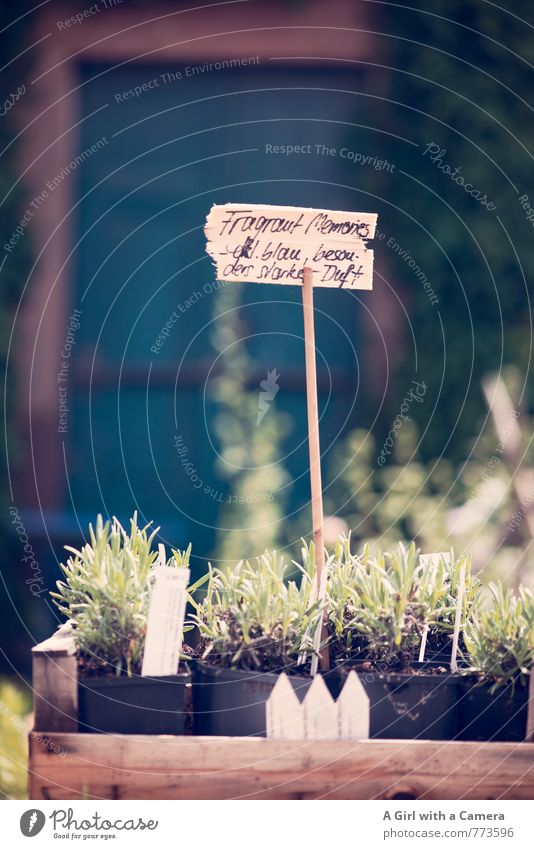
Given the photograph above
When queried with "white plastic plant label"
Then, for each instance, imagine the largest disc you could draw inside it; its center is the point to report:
(165, 621)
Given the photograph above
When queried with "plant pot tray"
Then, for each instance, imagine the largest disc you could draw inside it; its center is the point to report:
(65, 764)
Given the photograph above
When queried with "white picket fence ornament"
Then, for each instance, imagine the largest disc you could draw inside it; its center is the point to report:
(319, 712)
(284, 712)
(319, 716)
(353, 710)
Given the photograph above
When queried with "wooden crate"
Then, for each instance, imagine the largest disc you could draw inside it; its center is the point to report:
(67, 765)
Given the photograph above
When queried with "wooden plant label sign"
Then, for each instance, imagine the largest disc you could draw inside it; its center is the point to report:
(319, 716)
(165, 625)
(273, 244)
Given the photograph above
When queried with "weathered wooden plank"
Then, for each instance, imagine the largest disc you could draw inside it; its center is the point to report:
(131, 767)
(55, 682)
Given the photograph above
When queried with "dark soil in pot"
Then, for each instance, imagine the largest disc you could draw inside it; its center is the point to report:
(138, 705)
(231, 703)
(501, 716)
(420, 704)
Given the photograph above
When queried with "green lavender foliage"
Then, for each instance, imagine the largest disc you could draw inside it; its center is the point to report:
(373, 605)
(106, 594)
(499, 636)
(442, 597)
(343, 578)
(181, 558)
(253, 617)
(378, 602)
(439, 590)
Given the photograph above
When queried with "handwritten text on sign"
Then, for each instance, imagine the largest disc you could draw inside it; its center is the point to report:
(273, 244)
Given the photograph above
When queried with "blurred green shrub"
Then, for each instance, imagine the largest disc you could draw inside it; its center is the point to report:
(14, 726)
(436, 503)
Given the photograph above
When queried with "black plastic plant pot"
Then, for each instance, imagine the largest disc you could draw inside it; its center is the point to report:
(149, 705)
(499, 716)
(407, 706)
(438, 657)
(231, 703)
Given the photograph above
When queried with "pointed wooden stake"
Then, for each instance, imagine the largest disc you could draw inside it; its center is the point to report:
(315, 456)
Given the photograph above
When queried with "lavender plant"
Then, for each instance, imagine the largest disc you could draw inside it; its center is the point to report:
(106, 593)
(373, 607)
(253, 616)
(499, 636)
(439, 586)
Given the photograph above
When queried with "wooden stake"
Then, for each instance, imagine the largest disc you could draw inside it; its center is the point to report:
(314, 447)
